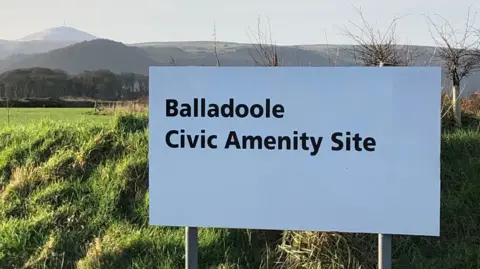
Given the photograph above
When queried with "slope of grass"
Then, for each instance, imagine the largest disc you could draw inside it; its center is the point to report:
(75, 195)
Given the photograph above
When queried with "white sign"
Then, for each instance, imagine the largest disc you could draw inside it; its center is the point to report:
(349, 149)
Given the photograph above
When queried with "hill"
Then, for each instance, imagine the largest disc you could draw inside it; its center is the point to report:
(59, 34)
(88, 55)
(118, 57)
(43, 41)
(232, 54)
(11, 48)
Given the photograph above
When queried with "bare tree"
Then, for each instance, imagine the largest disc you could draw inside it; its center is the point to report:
(337, 54)
(215, 43)
(264, 47)
(459, 55)
(372, 47)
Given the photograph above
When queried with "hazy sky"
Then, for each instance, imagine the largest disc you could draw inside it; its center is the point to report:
(292, 22)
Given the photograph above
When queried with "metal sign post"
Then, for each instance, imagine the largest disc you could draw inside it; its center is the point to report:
(384, 240)
(191, 248)
(384, 251)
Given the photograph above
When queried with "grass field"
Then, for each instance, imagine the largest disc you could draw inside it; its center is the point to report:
(22, 116)
(75, 195)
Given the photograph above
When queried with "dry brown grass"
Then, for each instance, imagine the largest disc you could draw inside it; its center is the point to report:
(470, 111)
(472, 104)
(469, 104)
(44, 253)
(108, 108)
(326, 250)
(22, 179)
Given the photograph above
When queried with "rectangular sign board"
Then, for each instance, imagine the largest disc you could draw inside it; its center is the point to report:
(347, 149)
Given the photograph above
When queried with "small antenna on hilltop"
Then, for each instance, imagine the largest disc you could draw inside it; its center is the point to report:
(64, 23)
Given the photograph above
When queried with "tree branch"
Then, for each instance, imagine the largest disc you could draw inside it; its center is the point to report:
(373, 47)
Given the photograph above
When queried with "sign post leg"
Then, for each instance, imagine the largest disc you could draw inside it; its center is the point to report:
(191, 248)
(384, 251)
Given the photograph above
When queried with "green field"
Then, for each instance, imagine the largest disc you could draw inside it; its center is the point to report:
(74, 194)
(22, 116)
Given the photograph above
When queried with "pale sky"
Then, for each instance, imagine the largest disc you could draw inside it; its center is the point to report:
(291, 22)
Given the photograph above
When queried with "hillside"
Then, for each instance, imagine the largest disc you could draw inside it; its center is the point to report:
(12, 48)
(43, 41)
(62, 33)
(232, 54)
(76, 196)
(87, 55)
(136, 58)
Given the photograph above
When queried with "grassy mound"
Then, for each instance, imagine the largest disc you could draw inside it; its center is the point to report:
(76, 196)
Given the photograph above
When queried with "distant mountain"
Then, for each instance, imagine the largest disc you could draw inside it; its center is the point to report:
(44, 41)
(9, 48)
(87, 55)
(59, 34)
(232, 54)
(50, 51)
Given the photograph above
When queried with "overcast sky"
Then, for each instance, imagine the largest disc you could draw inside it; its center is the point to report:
(291, 22)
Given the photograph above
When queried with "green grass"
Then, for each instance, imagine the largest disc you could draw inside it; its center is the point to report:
(75, 195)
(22, 116)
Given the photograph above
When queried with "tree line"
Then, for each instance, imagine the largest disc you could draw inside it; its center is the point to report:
(39, 82)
